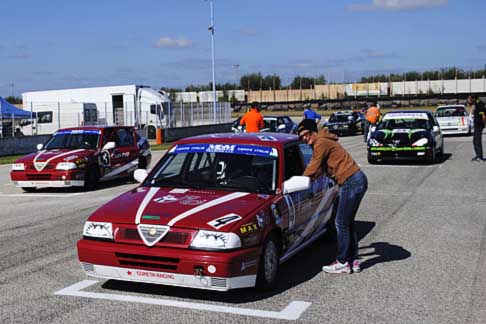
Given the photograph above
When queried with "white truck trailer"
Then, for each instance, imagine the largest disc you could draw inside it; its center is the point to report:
(131, 105)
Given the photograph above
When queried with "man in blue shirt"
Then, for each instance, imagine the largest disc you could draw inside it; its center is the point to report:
(311, 114)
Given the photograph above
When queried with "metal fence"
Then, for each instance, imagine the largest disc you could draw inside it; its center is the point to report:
(54, 115)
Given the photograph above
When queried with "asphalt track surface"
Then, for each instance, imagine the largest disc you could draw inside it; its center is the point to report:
(422, 231)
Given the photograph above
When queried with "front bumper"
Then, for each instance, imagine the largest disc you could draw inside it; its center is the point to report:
(220, 271)
(50, 178)
(400, 153)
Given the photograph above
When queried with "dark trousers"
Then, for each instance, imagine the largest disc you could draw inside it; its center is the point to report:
(367, 125)
(350, 195)
(477, 141)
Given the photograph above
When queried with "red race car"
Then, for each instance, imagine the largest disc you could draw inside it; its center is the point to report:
(217, 212)
(81, 157)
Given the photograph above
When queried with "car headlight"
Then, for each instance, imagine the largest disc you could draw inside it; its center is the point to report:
(98, 230)
(373, 142)
(18, 167)
(66, 166)
(420, 142)
(209, 240)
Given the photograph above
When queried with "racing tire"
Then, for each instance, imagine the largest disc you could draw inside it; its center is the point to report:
(433, 158)
(151, 132)
(28, 189)
(91, 178)
(268, 267)
(441, 151)
(372, 160)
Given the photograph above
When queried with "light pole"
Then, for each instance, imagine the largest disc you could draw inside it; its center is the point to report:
(211, 28)
(237, 74)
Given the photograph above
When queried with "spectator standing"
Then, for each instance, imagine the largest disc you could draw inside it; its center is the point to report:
(253, 119)
(479, 115)
(329, 157)
(311, 114)
(18, 132)
(372, 117)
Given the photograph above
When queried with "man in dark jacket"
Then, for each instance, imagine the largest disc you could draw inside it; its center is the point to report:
(330, 157)
(479, 115)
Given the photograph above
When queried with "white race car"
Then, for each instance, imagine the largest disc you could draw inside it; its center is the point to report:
(454, 119)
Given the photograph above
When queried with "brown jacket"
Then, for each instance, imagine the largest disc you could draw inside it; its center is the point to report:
(329, 156)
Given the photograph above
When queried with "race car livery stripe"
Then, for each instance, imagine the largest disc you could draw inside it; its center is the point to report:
(45, 163)
(121, 169)
(226, 148)
(209, 204)
(148, 197)
(78, 131)
(412, 148)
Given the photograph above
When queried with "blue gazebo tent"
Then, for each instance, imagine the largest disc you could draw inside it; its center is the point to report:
(9, 114)
(9, 111)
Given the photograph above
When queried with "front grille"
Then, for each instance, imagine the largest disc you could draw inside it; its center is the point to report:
(38, 176)
(32, 167)
(218, 282)
(131, 234)
(147, 261)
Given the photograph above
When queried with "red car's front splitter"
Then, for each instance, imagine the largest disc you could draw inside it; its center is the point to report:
(170, 266)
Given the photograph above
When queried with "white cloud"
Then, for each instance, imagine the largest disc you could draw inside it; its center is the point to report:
(168, 42)
(397, 5)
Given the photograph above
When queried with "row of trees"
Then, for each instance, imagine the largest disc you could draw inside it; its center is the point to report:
(442, 74)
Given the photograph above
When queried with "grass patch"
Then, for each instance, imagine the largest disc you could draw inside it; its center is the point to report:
(9, 159)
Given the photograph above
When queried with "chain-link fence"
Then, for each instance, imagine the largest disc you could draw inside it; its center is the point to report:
(51, 116)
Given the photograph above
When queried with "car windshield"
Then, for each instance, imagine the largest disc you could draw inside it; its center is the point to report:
(404, 123)
(75, 139)
(338, 118)
(451, 112)
(247, 168)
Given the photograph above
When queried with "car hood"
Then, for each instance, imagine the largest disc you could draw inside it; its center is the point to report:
(43, 158)
(177, 207)
(400, 137)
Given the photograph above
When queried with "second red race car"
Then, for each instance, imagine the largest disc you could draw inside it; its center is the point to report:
(81, 157)
(217, 212)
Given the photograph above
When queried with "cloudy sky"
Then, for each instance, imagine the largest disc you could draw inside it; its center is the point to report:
(60, 44)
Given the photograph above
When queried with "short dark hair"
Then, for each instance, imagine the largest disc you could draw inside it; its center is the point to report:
(307, 124)
(254, 104)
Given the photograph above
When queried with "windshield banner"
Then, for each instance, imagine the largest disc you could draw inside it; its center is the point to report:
(78, 131)
(226, 148)
(405, 115)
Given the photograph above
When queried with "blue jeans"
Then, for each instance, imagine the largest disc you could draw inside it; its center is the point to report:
(350, 195)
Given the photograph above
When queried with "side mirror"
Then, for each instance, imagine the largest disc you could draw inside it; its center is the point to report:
(296, 183)
(109, 146)
(281, 127)
(140, 175)
(436, 128)
(39, 147)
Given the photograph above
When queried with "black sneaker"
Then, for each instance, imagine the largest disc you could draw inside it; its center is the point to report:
(476, 159)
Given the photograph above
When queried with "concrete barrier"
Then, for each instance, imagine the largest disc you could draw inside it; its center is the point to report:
(174, 134)
(21, 145)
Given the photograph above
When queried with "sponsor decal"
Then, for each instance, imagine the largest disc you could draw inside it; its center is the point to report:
(276, 214)
(226, 148)
(248, 264)
(151, 217)
(261, 219)
(405, 115)
(121, 155)
(394, 149)
(223, 221)
(78, 131)
(150, 274)
(70, 158)
(178, 191)
(267, 138)
(166, 199)
(249, 228)
(192, 201)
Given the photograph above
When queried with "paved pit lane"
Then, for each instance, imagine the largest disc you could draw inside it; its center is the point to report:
(422, 232)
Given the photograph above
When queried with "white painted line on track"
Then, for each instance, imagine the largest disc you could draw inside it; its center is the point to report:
(26, 195)
(292, 312)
